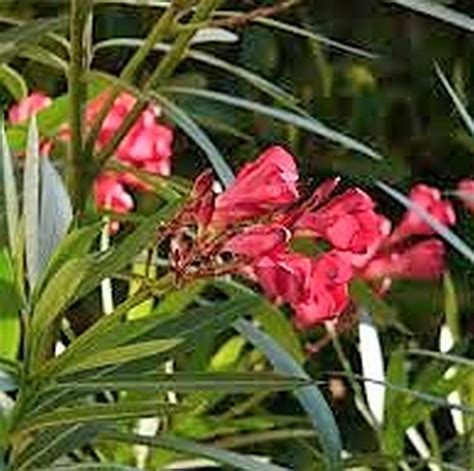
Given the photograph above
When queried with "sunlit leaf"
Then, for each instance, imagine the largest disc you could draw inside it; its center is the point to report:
(13, 82)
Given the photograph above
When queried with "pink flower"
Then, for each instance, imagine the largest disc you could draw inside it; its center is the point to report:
(430, 200)
(266, 185)
(466, 193)
(111, 195)
(27, 107)
(256, 241)
(424, 261)
(146, 147)
(348, 222)
(316, 289)
(284, 276)
(329, 291)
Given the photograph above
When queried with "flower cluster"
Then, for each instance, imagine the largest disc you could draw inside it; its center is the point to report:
(253, 227)
(260, 216)
(147, 147)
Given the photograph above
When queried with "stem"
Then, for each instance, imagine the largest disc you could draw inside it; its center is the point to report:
(164, 70)
(79, 164)
(159, 31)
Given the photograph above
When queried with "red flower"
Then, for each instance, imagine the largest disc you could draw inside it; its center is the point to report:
(27, 107)
(424, 261)
(256, 241)
(430, 200)
(316, 289)
(329, 292)
(466, 193)
(110, 194)
(284, 276)
(262, 186)
(348, 222)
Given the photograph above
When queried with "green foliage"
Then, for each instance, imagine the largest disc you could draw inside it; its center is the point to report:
(75, 383)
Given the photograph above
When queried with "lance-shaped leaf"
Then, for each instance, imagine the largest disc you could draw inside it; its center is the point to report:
(309, 397)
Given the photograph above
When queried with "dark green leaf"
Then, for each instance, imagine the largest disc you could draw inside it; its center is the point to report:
(190, 382)
(302, 121)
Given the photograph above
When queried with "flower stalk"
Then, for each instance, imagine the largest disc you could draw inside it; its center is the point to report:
(81, 30)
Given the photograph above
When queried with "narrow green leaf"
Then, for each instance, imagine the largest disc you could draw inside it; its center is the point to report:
(31, 191)
(9, 185)
(255, 80)
(57, 295)
(10, 325)
(13, 82)
(451, 307)
(443, 357)
(309, 397)
(51, 444)
(447, 234)
(13, 39)
(306, 33)
(182, 119)
(115, 356)
(307, 123)
(229, 458)
(393, 432)
(108, 333)
(55, 214)
(465, 116)
(93, 413)
(189, 382)
(438, 11)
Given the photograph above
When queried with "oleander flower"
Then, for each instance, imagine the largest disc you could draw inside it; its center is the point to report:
(466, 193)
(317, 289)
(110, 194)
(263, 186)
(146, 147)
(256, 241)
(28, 106)
(348, 221)
(422, 261)
(429, 199)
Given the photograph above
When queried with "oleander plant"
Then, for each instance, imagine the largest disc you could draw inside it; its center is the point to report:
(230, 241)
